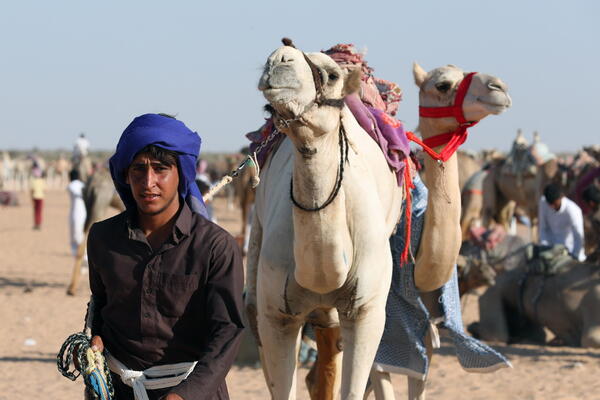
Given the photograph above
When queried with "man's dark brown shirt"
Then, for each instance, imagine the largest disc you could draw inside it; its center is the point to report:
(179, 303)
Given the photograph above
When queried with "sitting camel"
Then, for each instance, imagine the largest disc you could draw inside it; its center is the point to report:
(522, 303)
(327, 205)
(517, 178)
(483, 258)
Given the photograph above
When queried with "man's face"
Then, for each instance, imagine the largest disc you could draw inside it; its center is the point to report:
(153, 185)
(556, 204)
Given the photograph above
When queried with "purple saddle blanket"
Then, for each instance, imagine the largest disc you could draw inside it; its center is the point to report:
(385, 130)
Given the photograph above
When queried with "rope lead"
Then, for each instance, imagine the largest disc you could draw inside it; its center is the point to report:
(90, 364)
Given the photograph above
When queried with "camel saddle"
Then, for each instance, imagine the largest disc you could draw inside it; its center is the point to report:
(520, 162)
(548, 260)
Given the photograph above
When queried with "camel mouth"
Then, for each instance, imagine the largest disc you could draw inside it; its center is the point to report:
(494, 106)
(275, 90)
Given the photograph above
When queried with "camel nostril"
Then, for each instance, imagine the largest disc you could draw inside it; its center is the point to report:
(495, 86)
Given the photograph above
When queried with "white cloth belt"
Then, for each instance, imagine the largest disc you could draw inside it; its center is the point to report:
(158, 377)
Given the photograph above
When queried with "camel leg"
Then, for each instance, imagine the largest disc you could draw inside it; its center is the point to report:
(493, 325)
(324, 379)
(280, 337)
(361, 336)
(590, 335)
(416, 387)
(72, 289)
(381, 385)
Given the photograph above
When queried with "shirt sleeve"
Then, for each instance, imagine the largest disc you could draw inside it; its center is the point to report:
(223, 307)
(543, 224)
(96, 285)
(577, 218)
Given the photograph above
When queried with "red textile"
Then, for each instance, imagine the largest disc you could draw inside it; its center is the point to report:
(38, 205)
(408, 185)
(487, 238)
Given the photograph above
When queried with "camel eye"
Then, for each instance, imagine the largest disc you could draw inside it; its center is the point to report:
(333, 76)
(443, 86)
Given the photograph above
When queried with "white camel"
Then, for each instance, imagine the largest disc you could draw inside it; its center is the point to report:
(326, 207)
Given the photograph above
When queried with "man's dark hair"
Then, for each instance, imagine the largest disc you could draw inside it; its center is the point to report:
(552, 192)
(591, 193)
(73, 175)
(167, 157)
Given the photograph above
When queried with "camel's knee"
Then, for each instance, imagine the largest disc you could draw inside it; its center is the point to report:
(591, 338)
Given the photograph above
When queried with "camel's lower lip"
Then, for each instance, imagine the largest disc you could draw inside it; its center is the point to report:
(276, 89)
(496, 108)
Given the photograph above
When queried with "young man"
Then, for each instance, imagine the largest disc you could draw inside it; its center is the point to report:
(561, 221)
(166, 282)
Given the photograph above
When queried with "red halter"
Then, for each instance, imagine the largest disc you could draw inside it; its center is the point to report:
(452, 140)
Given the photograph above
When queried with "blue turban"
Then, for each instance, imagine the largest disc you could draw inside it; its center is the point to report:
(167, 133)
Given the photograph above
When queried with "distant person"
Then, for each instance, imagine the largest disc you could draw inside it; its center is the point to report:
(80, 148)
(202, 172)
(77, 212)
(38, 189)
(204, 188)
(591, 196)
(561, 221)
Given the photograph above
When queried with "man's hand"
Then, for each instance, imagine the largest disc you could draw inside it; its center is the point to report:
(172, 396)
(96, 344)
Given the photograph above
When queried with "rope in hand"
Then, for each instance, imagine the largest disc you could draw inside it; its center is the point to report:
(90, 364)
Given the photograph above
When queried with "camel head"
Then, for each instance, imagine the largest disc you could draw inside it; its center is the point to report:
(474, 273)
(307, 88)
(486, 95)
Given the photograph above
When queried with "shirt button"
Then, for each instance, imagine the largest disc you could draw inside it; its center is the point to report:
(148, 291)
(146, 315)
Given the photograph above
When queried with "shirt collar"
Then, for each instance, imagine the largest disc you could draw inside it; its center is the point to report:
(183, 223)
(181, 228)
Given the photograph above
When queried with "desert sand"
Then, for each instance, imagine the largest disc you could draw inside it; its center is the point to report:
(36, 316)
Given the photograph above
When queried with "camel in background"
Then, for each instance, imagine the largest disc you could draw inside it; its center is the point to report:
(521, 178)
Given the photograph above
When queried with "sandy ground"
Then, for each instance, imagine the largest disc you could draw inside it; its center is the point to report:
(33, 325)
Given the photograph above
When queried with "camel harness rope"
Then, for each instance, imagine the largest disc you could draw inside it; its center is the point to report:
(90, 364)
(251, 159)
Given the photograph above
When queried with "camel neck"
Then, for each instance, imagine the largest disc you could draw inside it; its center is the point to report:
(442, 224)
(321, 245)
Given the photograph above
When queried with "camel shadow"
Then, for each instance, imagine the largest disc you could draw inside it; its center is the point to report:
(28, 284)
(40, 357)
(447, 349)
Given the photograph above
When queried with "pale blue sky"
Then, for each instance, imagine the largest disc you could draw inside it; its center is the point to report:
(73, 66)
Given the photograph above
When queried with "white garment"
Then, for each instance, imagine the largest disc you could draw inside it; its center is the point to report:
(564, 226)
(77, 214)
(81, 147)
(159, 377)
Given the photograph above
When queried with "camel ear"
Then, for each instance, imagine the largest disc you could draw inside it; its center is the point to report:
(419, 73)
(352, 81)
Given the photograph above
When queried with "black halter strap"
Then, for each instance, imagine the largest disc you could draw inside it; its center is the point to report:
(343, 144)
